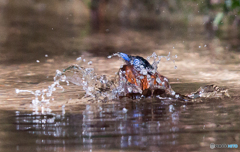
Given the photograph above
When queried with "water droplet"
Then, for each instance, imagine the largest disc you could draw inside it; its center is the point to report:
(173, 47)
(17, 91)
(158, 80)
(129, 89)
(199, 47)
(124, 110)
(154, 54)
(109, 57)
(79, 58)
(205, 45)
(165, 79)
(90, 63)
(46, 55)
(171, 108)
(37, 61)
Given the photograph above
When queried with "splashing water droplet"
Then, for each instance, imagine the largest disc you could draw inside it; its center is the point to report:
(158, 80)
(129, 89)
(90, 63)
(143, 72)
(97, 87)
(37, 61)
(124, 110)
(79, 58)
(154, 55)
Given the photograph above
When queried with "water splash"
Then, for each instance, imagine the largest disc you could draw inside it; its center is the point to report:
(115, 54)
(103, 88)
(157, 59)
(43, 97)
(96, 87)
(100, 88)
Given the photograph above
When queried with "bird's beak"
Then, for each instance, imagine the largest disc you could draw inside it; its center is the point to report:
(125, 57)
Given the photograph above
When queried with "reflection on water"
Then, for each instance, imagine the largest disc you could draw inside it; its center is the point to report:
(105, 126)
(141, 125)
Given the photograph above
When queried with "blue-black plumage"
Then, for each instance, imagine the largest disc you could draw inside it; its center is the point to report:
(136, 61)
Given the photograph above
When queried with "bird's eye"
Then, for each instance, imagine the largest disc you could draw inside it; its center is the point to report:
(136, 62)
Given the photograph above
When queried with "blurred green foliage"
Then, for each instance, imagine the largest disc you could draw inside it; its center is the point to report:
(230, 8)
(216, 10)
(231, 5)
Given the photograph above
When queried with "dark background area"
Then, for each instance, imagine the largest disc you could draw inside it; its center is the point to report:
(32, 28)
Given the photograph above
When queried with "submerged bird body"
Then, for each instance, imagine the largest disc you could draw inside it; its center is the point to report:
(139, 73)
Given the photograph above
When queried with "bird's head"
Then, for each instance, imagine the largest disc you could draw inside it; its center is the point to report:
(138, 62)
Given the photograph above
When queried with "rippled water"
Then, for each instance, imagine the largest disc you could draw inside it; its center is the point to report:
(38, 38)
(144, 125)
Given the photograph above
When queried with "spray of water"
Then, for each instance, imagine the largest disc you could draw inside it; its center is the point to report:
(98, 88)
(157, 58)
(103, 88)
(44, 96)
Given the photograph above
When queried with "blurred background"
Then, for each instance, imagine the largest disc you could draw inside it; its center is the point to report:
(32, 28)
(39, 36)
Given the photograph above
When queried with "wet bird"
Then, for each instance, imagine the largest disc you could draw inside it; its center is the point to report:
(140, 73)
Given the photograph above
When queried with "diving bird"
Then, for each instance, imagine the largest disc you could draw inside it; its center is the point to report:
(137, 61)
(139, 72)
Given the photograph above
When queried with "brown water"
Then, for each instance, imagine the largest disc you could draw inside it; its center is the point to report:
(55, 36)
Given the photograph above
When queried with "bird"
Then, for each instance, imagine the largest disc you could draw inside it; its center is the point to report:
(139, 73)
